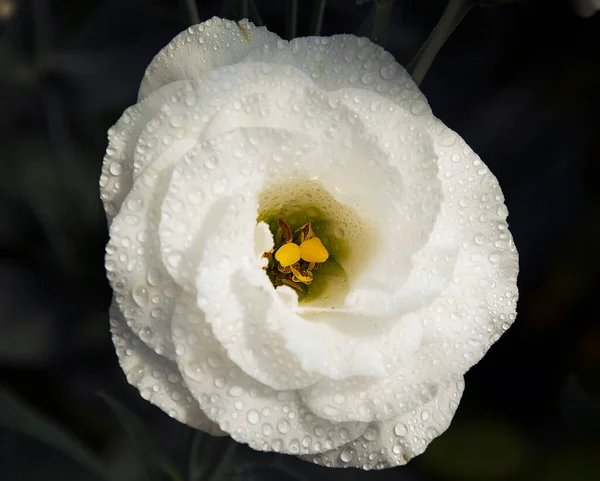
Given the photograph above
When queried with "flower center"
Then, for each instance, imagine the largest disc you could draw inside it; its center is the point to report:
(316, 241)
(295, 256)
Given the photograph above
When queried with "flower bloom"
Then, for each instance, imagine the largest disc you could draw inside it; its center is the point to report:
(302, 256)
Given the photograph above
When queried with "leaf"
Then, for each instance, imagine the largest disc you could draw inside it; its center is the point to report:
(211, 458)
(17, 416)
(147, 450)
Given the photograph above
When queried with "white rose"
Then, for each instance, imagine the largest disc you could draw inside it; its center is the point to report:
(235, 129)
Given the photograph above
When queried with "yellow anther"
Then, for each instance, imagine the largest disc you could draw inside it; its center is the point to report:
(288, 254)
(313, 250)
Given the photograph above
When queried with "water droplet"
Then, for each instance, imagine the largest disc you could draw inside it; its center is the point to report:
(136, 374)
(214, 360)
(235, 391)
(388, 72)
(400, 429)
(114, 168)
(135, 203)
(346, 456)
(494, 258)
(367, 78)
(339, 398)
(140, 295)
(253, 417)
(153, 276)
(283, 426)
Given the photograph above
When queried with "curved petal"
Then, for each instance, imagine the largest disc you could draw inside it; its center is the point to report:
(142, 288)
(480, 302)
(347, 61)
(416, 380)
(221, 99)
(201, 48)
(157, 378)
(236, 309)
(395, 442)
(250, 412)
(116, 178)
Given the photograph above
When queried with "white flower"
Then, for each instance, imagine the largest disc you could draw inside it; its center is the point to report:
(234, 126)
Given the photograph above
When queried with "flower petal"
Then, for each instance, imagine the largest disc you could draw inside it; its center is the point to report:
(252, 413)
(480, 302)
(157, 378)
(117, 168)
(346, 61)
(416, 380)
(395, 442)
(203, 47)
(142, 288)
(238, 299)
(220, 100)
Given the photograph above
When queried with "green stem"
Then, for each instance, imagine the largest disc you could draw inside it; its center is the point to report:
(291, 19)
(196, 441)
(453, 14)
(316, 21)
(241, 9)
(381, 24)
(191, 11)
(225, 463)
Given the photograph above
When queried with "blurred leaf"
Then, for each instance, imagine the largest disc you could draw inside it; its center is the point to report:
(579, 464)
(478, 449)
(211, 458)
(581, 413)
(266, 474)
(147, 450)
(23, 419)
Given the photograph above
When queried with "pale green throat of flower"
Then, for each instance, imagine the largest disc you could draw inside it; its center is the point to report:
(309, 245)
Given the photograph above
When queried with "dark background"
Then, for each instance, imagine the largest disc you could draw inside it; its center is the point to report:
(519, 81)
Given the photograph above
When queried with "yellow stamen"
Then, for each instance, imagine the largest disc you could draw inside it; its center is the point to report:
(305, 232)
(301, 275)
(312, 250)
(288, 254)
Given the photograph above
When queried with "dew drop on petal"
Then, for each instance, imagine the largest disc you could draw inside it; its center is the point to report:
(140, 295)
(346, 456)
(400, 429)
(253, 417)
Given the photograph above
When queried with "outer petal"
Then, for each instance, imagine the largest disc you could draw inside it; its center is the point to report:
(203, 47)
(415, 381)
(346, 61)
(250, 412)
(142, 287)
(117, 168)
(157, 379)
(469, 314)
(394, 442)
(480, 302)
